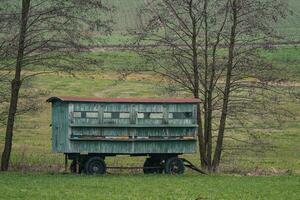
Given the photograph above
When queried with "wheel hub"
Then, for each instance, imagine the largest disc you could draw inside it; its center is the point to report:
(95, 168)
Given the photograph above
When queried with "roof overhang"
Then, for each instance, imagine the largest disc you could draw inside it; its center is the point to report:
(124, 100)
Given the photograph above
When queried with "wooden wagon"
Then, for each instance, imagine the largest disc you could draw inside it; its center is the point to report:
(87, 130)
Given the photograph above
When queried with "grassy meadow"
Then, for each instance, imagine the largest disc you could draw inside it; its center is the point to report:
(40, 172)
(37, 173)
(32, 149)
(125, 18)
(59, 186)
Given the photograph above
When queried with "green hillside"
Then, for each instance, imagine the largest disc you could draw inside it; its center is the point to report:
(125, 17)
(291, 26)
(125, 14)
(32, 139)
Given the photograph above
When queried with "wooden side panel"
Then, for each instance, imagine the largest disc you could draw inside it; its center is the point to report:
(165, 132)
(63, 132)
(181, 108)
(85, 107)
(149, 108)
(139, 132)
(55, 127)
(117, 108)
(123, 147)
(60, 126)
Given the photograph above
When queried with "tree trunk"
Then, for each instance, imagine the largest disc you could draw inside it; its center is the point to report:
(207, 101)
(15, 88)
(231, 49)
(201, 140)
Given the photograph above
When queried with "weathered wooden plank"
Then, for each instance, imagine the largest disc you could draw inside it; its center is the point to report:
(66, 127)
(132, 139)
(127, 147)
(134, 125)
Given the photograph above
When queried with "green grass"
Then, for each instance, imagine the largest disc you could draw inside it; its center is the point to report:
(287, 57)
(32, 139)
(58, 186)
(32, 148)
(291, 25)
(125, 18)
(125, 14)
(32, 134)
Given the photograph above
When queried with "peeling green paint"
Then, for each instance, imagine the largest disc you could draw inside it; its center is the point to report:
(66, 128)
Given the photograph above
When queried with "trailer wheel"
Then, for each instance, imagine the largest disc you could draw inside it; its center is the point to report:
(152, 166)
(95, 165)
(174, 166)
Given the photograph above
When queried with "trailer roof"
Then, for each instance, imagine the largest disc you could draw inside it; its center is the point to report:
(125, 100)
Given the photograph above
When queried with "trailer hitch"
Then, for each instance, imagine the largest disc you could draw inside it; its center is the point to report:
(190, 165)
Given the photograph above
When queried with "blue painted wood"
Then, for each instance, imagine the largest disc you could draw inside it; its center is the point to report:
(128, 125)
(68, 128)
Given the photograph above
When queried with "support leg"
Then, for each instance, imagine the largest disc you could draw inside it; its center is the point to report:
(66, 163)
(77, 165)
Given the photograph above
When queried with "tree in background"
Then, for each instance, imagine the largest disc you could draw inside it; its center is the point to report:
(43, 35)
(211, 49)
(29, 96)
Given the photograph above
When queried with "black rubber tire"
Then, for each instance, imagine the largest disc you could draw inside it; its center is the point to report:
(174, 166)
(152, 162)
(95, 165)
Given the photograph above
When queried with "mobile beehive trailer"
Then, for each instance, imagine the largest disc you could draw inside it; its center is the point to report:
(87, 130)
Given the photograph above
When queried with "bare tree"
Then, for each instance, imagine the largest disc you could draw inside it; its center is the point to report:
(207, 47)
(45, 34)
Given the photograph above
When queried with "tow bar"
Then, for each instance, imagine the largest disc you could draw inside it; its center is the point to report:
(190, 165)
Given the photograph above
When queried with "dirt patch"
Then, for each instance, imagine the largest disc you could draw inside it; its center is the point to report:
(37, 168)
(272, 171)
